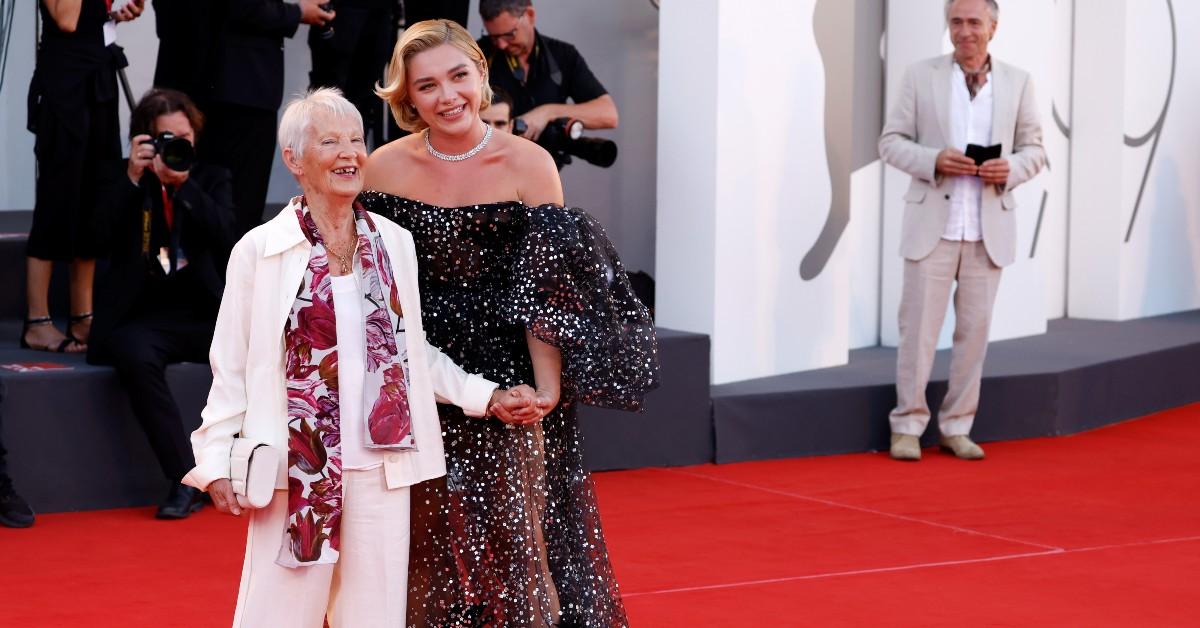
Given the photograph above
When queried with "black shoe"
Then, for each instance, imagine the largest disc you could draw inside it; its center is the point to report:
(181, 502)
(14, 511)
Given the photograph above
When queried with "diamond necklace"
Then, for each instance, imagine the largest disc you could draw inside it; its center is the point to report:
(487, 136)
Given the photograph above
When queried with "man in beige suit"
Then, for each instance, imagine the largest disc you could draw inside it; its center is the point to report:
(959, 219)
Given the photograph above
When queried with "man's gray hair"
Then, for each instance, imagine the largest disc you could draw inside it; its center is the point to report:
(993, 8)
(297, 116)
(491, 9)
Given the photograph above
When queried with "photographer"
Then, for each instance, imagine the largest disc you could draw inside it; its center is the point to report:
(540, 73)
(173, 226)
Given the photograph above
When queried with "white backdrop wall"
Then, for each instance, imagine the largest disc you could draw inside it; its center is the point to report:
(1160, 261)
(1135, 207)
(771, 194)
(1102, 71)
(16, 156)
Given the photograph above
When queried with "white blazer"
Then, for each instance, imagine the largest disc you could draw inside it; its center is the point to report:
(247, 356)
(918, 128)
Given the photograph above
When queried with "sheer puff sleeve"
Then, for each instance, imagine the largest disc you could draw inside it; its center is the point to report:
(569, 288)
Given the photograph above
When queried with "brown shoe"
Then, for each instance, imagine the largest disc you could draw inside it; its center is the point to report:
(905, 447)
(963, 447)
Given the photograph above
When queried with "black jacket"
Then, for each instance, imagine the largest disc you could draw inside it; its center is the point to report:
(186, 35)
(204, 228)
(247, 58)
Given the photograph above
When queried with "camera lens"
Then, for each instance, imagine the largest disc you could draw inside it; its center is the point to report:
(177, 153)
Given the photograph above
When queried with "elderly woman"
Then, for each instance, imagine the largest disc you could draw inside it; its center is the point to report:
(319, 351)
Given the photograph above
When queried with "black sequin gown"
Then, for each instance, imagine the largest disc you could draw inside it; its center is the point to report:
(511, 536)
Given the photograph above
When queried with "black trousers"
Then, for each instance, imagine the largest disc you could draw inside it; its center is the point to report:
(352, 60)
(243, 140)
(141, 348)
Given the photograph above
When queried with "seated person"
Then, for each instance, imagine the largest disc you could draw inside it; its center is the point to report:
(173, 227)
(499, 115)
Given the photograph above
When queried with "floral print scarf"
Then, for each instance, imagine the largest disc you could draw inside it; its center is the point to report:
(313, 534)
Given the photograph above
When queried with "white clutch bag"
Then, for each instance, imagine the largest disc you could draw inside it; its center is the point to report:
(253, 467)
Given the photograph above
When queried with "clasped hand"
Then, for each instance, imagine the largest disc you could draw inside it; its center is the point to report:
(952, 162)
(520, 405)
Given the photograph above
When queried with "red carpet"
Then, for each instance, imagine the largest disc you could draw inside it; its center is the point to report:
(1100, 529)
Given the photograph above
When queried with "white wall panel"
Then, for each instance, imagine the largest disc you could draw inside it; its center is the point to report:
(771, 196)
(687, 170)
(916, 30)
(1160, 259)
(863, 254)
(16, 144)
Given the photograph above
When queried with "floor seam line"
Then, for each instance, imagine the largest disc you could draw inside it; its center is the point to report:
(872, 511)
(898, 568)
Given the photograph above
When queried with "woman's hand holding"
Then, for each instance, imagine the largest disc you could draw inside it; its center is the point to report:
(516, 406)
(221, 492)
(141, 156)
(546, 400)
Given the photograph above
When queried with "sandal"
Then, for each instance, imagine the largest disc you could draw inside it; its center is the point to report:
(37, 322)
(78, 318)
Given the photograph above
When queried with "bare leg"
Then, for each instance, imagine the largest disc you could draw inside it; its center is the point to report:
(83, 272)
(45, 337)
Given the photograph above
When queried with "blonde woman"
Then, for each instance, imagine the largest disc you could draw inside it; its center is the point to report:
(518, 288)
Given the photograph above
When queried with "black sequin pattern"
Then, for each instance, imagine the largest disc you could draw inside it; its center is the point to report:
(512, 536)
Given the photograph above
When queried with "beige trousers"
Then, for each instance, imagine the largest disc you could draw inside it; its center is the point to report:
(923, 303)
(367, 587)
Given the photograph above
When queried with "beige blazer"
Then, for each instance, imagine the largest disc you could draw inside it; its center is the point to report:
(918, 128)
(247, 356)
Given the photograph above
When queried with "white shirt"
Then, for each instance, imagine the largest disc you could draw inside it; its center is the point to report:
(352, 349)
(970, 123)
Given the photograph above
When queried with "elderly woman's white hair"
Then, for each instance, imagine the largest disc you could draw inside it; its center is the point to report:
(298, 115)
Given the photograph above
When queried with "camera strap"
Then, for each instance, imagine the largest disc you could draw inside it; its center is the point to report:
(514, 64)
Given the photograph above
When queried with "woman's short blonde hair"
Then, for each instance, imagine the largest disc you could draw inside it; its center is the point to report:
(416, 39)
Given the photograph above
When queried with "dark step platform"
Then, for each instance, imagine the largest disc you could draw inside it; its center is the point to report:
(1080, 375)
(74, 445)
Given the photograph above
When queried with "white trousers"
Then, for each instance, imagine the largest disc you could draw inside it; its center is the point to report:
(367, 587)
(923, 301)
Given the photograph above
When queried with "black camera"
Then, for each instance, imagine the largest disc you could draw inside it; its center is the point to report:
(326, 31)
(564, 137)
(177, 153)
